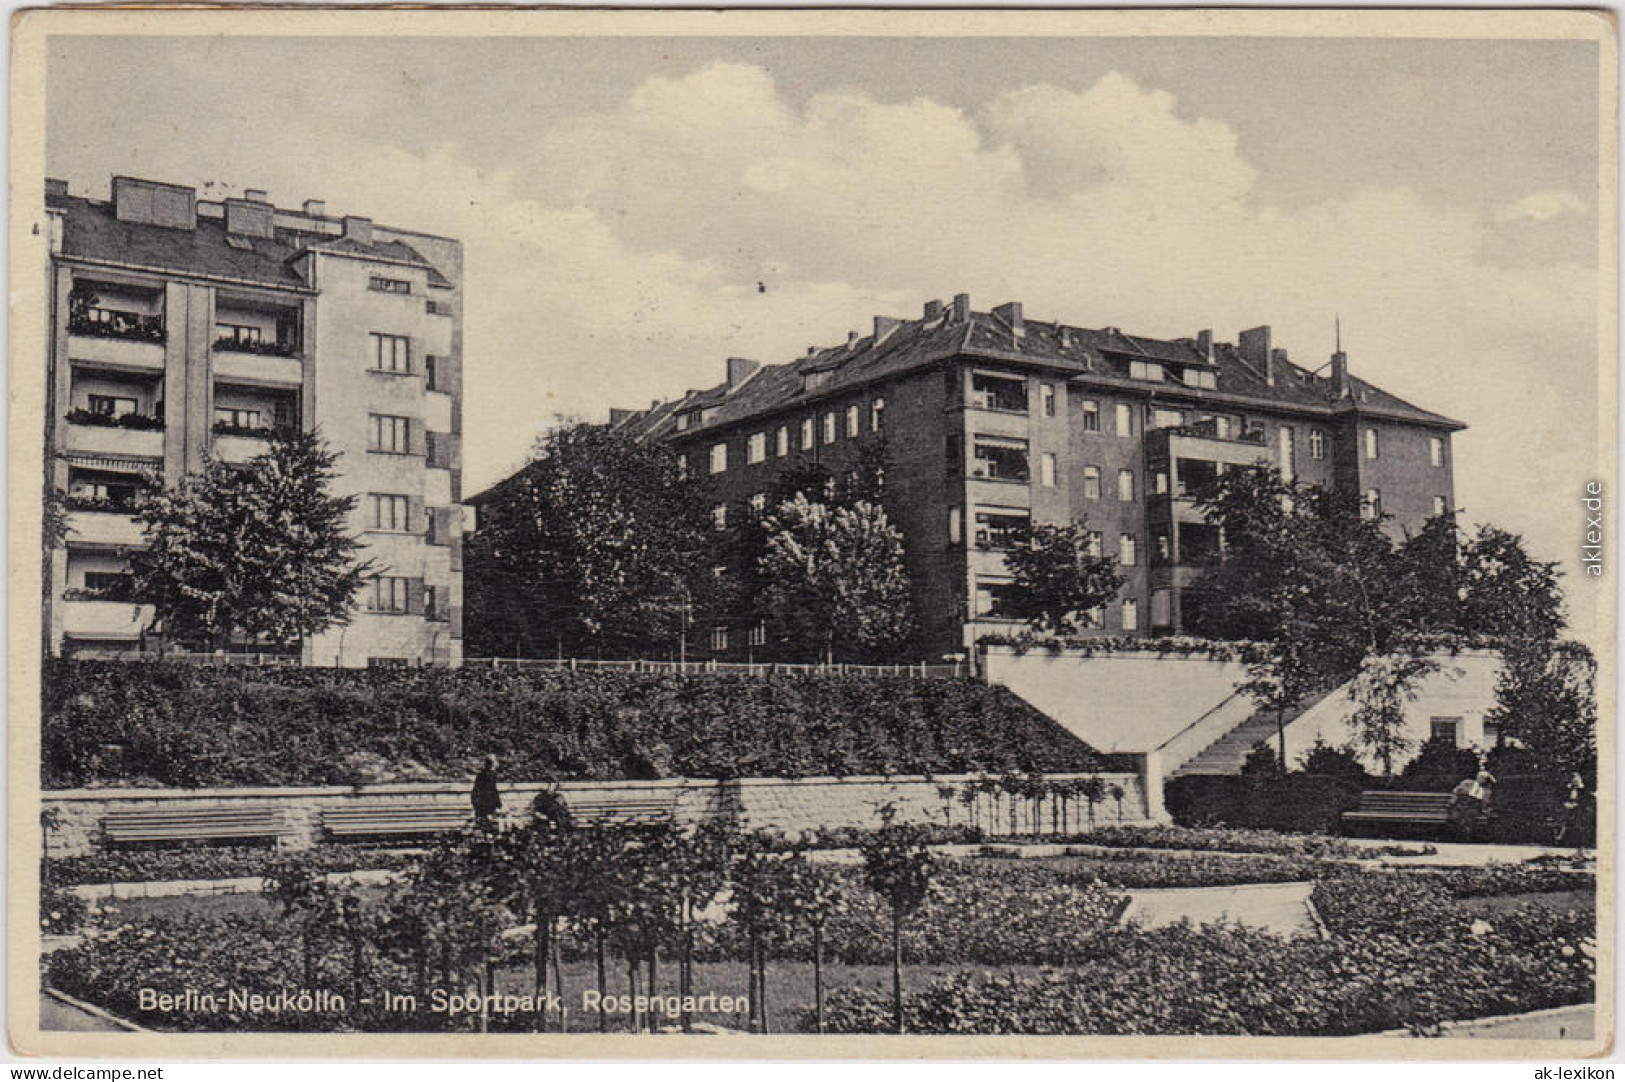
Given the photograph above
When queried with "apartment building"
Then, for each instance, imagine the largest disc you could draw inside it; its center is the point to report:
(184, 330)
(992, 420)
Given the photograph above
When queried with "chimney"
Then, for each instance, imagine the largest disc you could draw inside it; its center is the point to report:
(316, 208)
(1204, 344)
(148, 202)
(55, 187)
(962, 308)
(884, 325)
(933, 309)
(740, 369)
(1011, 314)
(1340, 375)
(1066, 337)
(249, 218)
(1254, 346)
(256, 195)
(851, 339)
(358, 229)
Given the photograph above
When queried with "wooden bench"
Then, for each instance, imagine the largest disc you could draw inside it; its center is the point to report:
(621, 811)
(192, 825)
(1383, 808)
(363, 820)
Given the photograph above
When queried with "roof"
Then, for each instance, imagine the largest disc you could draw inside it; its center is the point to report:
(1085, 355)
(91, 230)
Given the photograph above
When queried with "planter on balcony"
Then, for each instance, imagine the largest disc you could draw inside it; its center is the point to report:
(105, 323)
(263, 349)
(141, 422)
(102, 503)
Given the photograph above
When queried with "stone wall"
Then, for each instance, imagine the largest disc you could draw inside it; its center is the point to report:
(786, 805)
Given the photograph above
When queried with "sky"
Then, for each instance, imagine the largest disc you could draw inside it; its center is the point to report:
(620, 199)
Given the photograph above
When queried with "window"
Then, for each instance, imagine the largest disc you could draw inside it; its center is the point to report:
(1007, 394)
(682, 466)
(433, 603)
(852, 414)
(829, 427)
(758, 635)
(1091, 415)
(1095, 617)
(1371, 443)
(719, 639)
(1131, 615)
(391, 434)
(719, 517)
(391, 353)
(756, 448)
(1145, 370)
(1125, 420)
(1436, 450)
(1000, 459)
(389, 594)
(719, 457)
(1439, 506)
(1445, 731)
(1204, 378)
(1165, 550)
(437, 308)
(954, 517)
(806, 434)
(227, 417)
(999, 527)
(1125, 485)
(1317, 444)
(993, 599)
(1046, 395)
(781, 443)
(1221, 427)
(1166, 418)
(1372, 507)
(388, 285)
(1046, 470)
(1128, 553)
(1095, 543)
(108, 405)
(1492, 735)
(684, 420)
(238, 334)
(390, 512)
(877, 415)
(1161, 482)
(1091, 482)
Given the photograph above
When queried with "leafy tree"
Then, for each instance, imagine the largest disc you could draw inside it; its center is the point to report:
(898, 866)
(597, 546)
(835, 578)
(1381, 687)
(1056, 579)
(259, 551)
(1546, 700)
(1484, 585)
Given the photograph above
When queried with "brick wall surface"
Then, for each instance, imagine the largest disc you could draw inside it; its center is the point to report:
(788, 806)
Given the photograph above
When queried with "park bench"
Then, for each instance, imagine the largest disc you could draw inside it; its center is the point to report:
(216, 824)
(1382, 808)
(621, 810)
(396, 819)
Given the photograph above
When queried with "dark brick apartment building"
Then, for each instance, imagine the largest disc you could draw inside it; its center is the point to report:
(991, 419)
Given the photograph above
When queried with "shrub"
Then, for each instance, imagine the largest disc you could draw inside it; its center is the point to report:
(61, 912)
(231, 862)
(184, 725)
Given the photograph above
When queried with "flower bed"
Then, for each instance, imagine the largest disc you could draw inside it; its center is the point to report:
(233, 862)
(1220, 840)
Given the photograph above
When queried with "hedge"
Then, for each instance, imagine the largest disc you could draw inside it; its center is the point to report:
(174, 724)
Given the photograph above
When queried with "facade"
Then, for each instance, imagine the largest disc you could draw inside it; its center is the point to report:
(990, 420)
(183, 330)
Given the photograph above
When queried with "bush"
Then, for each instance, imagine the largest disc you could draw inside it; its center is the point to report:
(61, 912)
(192, 726)
(1301, 801)
(1438, 768)
(1219, 839)
(231, 862)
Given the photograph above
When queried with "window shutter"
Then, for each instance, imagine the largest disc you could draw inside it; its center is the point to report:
(415, 518)
(414, 596)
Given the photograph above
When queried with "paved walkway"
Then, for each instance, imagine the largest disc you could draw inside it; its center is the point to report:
(1461, 854)
(60, 1015)
(1282, 908)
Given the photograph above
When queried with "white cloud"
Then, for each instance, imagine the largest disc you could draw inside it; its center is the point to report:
(1542, 206)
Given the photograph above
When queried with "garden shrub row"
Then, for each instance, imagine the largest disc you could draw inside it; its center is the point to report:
(225, 862)
(170, 724)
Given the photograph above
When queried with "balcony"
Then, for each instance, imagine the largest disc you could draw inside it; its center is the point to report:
(117, 352)
(238, 445)
(241, 366)
(87, 617)
(133, 435)
(104, 527)
(92, 321)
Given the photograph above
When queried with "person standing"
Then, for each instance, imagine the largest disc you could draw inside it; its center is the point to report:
(487, 800)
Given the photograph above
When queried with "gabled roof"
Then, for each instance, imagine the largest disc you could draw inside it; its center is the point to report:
(1085, 354)
(91, 230)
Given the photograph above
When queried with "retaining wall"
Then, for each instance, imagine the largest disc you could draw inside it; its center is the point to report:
(786, 805)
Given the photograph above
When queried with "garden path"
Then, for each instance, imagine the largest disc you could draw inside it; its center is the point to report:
(1282, 908)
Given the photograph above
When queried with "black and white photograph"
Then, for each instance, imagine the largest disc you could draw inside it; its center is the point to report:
(813, 533)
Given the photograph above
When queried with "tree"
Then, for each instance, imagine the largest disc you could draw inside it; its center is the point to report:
(1546, 700)
(598, 546)
(1483, 585)
(259, 551)
(898, 866)
(835, 579)
(1056, 578)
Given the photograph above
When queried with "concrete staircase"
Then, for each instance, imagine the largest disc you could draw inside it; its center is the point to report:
(1227, 754)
